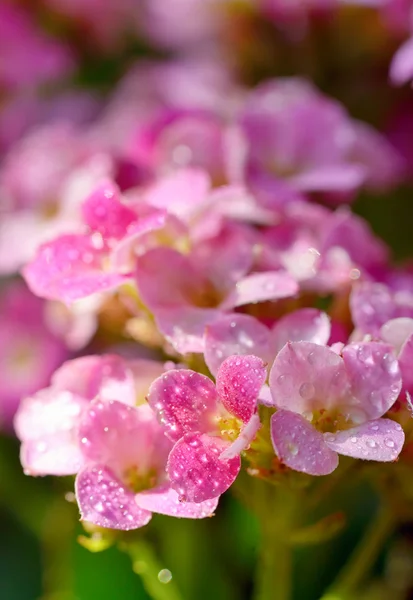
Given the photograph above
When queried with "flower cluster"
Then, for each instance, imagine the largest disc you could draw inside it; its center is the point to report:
(193, 239)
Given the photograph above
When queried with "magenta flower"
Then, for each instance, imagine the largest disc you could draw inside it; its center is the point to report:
(47, 423)
(202, 419)
(329, 404)
(29, 352)
(238, 334)
(298, 141)
(124, 479)
(75, 266)
(197, 288)
(372, 304)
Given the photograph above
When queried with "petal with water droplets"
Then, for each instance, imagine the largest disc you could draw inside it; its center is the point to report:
(239, 381)
(235, 334)
(306, 324)
(104, 501)
(300, 446)
(165, 500)
(306, 376)
(375, 378)
(380, 440)
(261, 287)
(183, 401)
(196, 470)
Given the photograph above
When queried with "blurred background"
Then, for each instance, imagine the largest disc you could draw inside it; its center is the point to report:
(84, 62)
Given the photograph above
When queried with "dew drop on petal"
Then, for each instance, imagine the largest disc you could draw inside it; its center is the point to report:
(307, 390)
(389, 443)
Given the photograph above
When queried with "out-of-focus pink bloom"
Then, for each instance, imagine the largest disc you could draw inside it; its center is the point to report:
(239, 334)
(372, 304)
(399, 333)
(198, 288)
(43, 181)
(75, 266)
(47, 422)
(29, 353)
(298, 141)
(183, 23)
(322, 249)
(32, 58)
(203, 419)
(330, 403)
(401, 68)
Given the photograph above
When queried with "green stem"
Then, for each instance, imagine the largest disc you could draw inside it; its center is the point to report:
(363, 558)
(276, 509)
(274, 568)
(146, 564)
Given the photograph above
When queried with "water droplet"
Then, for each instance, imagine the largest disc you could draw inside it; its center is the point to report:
(307, 390)
(353, 440)
(165, 576)
(389, 443)
(371, 443)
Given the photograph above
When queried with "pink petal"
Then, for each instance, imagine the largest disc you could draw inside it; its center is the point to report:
(300, 446)
(104, 501)
(150, 231)
(239, 381)
(165, 500)
(261, 287)
(243, 441)
(375, 378)
(306, 377)
(104, 212)
(406, 362)
(184, 327)
(46, 424)
(401, 68)
(330, 178)
(373, 304)
(380, 440)
(235, 334)
(306, 324)
(178, 285)
(122, 437)
(396, 332)
(184, 401)
(196, 470)
(69, 268)
(107, 376)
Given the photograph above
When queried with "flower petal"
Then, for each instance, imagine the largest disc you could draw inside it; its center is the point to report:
(306, 324)
(300, 446)
(104, 501)
(196, 470)
(243, 441)
(235, 334)
(260, 287)
(69, 268)
(165, 500)
(183, 401)
(374, 375)
(46, 424)
(401, 68)
(396, 332)
(123, 437)
(306, 377)
(104, 212)
(381, 439)
(239, 381)
(184, 327)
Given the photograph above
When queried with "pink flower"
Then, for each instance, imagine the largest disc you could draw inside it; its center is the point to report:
(196, 289)
(238, 334)
(32, 58)
(75, 266)
(399, 333)
(47, 422)
(29, 352)
(202, 419)
(372, 304)
(285, 153)
(124, 478)
(330, 403)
